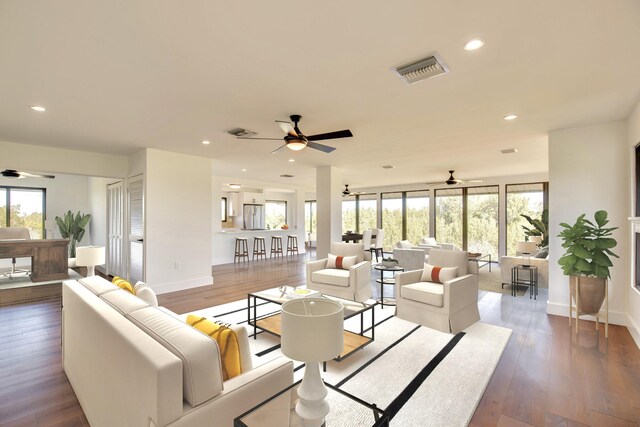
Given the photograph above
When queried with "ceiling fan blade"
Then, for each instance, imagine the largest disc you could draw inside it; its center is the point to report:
(264, 139)
(331, 135)
(474, 180)
(33, 175)
(320, 147)
(287, 127)
(277, 150)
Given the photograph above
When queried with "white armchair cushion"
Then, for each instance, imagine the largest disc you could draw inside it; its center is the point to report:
(436, 274)
(341, 262)
(424, 292)
(429, 241)
(403, 244)
(331, 276)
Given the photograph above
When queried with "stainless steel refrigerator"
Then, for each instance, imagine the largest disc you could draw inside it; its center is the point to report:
(253, 217)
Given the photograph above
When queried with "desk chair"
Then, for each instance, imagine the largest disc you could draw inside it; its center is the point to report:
(14, 233)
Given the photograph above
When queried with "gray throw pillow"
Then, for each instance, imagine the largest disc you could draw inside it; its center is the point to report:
(542, 253)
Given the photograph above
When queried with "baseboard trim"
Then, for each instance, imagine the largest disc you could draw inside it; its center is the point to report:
(615, 317)
(164, 288)
(634, 330)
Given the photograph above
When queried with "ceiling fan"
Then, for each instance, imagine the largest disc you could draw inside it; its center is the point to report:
(347, 192)
(12, 173)
(452, 181)
(296, 140)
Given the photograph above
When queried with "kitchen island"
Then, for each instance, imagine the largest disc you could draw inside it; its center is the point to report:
(224, 242)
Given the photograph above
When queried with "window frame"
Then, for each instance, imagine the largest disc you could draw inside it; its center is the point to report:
(225, 217)
(8, 189)
(545, 205)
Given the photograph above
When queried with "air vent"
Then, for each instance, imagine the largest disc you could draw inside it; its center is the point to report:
(241, 132)
(286, 175)
(424, 69)
(388, 167)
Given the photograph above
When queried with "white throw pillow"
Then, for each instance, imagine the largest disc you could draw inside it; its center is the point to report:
(146, 294)
(341, 262)
(403, 244)
(435, 274)
(429, 241)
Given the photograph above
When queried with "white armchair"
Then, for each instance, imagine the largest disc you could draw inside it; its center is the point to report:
(449, 307)
(353, 284)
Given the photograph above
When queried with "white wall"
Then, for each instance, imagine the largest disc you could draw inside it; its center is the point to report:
(178, 228)
(589, 171)
(329, 207)
(633, 302)
(97, 195)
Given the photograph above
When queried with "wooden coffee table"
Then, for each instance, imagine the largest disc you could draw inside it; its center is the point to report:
(271, 323)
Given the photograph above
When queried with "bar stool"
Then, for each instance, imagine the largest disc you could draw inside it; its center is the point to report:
(292, 244)
(259, 247)
(276, 246)
(242, 250)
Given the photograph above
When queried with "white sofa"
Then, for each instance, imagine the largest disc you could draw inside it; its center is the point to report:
(507, 262)
(353, 284)
(131, 364)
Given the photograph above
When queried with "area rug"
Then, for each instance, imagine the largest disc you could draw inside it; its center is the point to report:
(23, 280)
(421, 376)
(491, 281)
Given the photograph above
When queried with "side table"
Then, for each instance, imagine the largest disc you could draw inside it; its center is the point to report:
(388, 281)
(525, 275)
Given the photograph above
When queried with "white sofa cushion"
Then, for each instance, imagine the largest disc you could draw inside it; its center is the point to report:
(123, 301)
(331, 276)
(201, 369)
(424, 292)
(146, 293)
(97, 285)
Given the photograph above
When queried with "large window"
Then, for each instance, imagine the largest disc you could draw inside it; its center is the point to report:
(449, 216)
(23, 207)
(348, 213)
(275, 214)
(482, 220)
(392, 222)
(310, 216)
(367, 212)
(527, 199)
(417, 214)
(223, 206)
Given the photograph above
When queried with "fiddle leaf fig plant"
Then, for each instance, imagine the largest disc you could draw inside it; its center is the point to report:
(72, 227)
(588, 247)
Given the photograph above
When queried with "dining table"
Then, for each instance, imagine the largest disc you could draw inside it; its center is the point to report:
(351, 237)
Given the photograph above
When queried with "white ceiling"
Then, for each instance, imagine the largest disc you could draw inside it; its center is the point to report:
(119, 76)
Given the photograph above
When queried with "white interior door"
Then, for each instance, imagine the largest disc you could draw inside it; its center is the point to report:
(136, 229)
(115, 231)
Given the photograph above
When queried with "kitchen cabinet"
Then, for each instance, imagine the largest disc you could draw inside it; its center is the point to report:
(234, 207)
(252, 198)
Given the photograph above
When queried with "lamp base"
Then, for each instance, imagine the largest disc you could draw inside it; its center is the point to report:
(91, 270)
(311, 406)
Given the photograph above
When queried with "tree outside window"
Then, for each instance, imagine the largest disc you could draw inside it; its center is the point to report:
(275, 214)
(527, 199)
(23, 207)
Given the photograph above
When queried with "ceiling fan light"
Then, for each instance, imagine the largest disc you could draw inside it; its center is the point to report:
(296, 144)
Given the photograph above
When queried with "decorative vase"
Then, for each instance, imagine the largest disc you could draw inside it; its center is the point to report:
(592, 293)
(390, 264)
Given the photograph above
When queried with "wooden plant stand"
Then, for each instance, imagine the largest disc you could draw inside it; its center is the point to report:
(577, 307)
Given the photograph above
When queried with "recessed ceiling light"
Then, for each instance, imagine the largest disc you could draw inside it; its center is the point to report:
(206, 142)
(38, 108)
(291, 160)
(509, 151)
(511, 117)
(473, 44)
(235, 186)
(243, 170)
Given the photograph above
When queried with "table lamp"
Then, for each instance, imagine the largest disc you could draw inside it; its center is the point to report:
(536, 239)
(525, 249)
(89, 256)
(312, 332)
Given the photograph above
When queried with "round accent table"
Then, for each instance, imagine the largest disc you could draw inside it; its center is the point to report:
(388, 281)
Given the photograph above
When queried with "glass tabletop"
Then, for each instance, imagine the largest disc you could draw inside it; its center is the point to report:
(282, 294)
(279, 411)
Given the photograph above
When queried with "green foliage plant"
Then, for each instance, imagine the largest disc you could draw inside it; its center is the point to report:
(538, 227)
(72, 227)
(588, 247)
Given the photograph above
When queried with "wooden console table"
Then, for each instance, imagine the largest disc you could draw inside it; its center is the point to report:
(49, 257)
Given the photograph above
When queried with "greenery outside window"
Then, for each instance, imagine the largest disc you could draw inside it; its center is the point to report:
(23, 207)
(482, 220)
(392, 219)
(449, 218)
(275, 214)
(367, 206)
(417, 215)
(310, 216)
(348, 213)
(527, 199)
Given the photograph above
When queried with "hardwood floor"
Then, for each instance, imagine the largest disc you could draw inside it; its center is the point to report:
(547, 375)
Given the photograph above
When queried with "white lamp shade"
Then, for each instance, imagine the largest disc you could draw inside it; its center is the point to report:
(536, 239)
(526, 247)
(312, 329)
(89, 256)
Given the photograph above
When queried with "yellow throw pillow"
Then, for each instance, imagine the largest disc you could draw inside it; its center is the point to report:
(123, 284)
(227, 342)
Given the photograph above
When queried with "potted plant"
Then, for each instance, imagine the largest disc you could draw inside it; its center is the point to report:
(537, 227)
(587, 259)
(72, 227)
